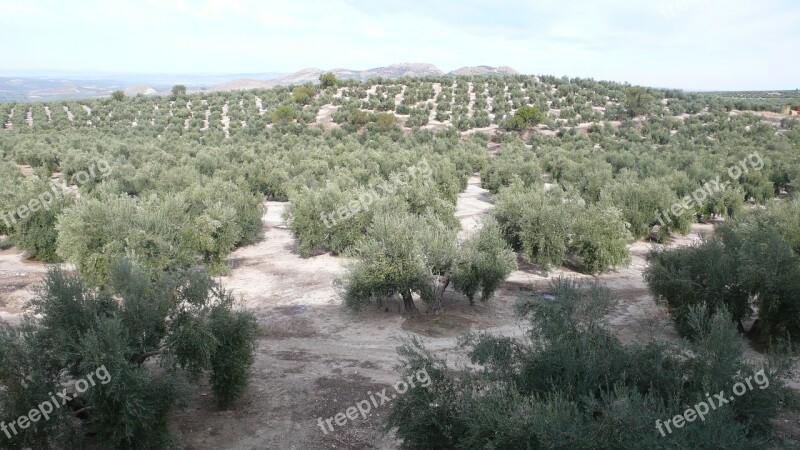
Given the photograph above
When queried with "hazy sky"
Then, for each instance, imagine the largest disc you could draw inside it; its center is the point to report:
(690, 44)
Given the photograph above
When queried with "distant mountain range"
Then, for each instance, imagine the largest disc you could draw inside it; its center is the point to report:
(35, 87)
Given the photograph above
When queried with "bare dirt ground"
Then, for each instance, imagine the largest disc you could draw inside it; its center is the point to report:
(325, 116)
(225, 120)
(315, 358)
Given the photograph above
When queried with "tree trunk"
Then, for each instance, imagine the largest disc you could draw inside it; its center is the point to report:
(755, 330)
(408, 302)
(439, 286)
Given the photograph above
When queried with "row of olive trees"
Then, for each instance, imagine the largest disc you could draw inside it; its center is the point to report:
(550, 228)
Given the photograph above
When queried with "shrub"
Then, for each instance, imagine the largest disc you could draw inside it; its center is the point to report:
(484, 261)
(186, 323)
(178, 90)
(601, 239)
(385, 121)
(570, 384)
(525, 117)
(746, 267)
(304, 94)
(283, 115)
(512, 162)
(327, 219)
(327, 80)
(645, 204)
(638, 101)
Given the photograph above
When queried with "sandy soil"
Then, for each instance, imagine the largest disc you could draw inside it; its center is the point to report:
(70, 116)
(325, 116)
(260, 106)
(225, 120)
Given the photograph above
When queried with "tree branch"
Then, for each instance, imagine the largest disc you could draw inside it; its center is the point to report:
(139, 359)
(83, 410)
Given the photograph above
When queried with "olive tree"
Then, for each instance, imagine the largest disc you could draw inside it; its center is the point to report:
(393, 259)
(638, 101)
(178, 90)
(283, 114)
(524, 117)
(327, 79)
(750, 267)
(146, 338)
(483, 261)
(406, 254)
(569, 383)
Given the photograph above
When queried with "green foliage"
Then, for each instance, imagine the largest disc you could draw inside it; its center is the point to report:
(385, 121)
(304, 94)
(525, 117)
(148, 334)
(394, 260)
(601, 239)
(235, 333)
(283, 114)
(484, 261)
(570, 384)
(118, 96)
(178, 90)
(512, 162)
(749, 267)
(327, 80)
(36, 235)
(161, 233)
(358, 117)
(329, 218)
(551, 227)
(638, 101)
(642, 202)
